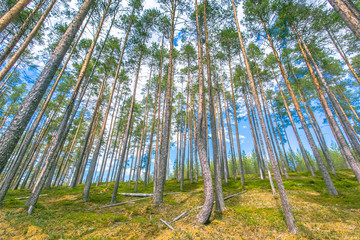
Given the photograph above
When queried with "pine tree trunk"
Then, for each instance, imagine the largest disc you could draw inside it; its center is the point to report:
(284, 200)
(236, 126)
(31, 132)
(255, 142)
(342, 54)
(343, 118)
(329, 115)
(63, 128)
(328, 182)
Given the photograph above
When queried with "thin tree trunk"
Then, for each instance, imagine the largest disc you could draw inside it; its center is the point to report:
(284, 200)
(236, 126)
(336, 130)
(342, 53)
(161, 176)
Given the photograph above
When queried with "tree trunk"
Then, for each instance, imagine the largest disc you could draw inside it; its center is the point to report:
(62, 131)
(236, 126)
(204, 215)
(328, 182)
(336, 130)
(284, 200)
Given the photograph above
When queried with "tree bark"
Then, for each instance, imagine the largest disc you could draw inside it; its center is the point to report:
(284, 200)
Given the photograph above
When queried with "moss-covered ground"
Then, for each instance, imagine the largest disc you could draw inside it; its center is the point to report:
(255, 214)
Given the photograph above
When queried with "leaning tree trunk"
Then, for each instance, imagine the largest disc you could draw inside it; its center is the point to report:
(327, 179)
(343, 118)
(349, 14)
(12, 13)
(284, 200)
(339, 137)
(13, 133)
(31, 132)
(62, 131)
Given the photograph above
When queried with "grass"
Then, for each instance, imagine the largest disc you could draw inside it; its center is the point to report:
(256, 214)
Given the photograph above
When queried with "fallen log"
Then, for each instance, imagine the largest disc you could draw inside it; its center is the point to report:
(117, 204)
(143, 194)
(137, 194)
(178, 217)
(226, 198)
(167, 224)
(21, 198)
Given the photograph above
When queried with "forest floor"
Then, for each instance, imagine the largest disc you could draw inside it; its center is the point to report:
(254, 214)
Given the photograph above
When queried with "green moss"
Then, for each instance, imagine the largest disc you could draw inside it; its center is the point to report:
(255, 214)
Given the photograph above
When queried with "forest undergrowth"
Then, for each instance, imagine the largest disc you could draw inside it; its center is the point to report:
(253, 214)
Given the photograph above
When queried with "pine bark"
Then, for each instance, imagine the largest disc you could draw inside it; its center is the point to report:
(284, 200)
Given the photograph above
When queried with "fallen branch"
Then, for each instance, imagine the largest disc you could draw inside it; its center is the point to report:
(226, 198)
(21, 198)
(117, 204)
(167, 224)
(178, 217)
